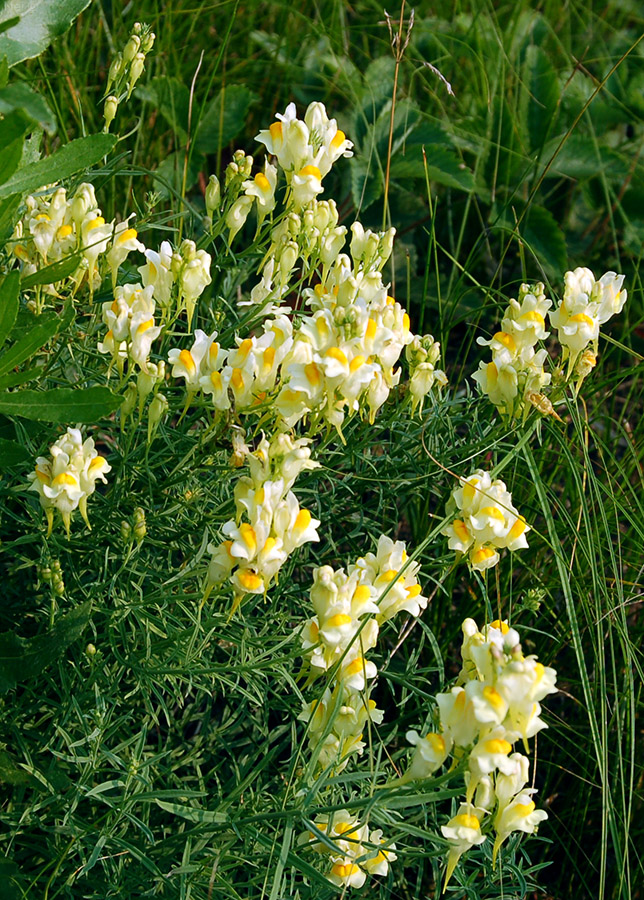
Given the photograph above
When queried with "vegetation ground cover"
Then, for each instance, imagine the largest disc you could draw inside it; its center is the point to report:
(154, 748)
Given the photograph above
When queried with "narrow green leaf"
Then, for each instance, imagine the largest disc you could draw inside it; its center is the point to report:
(21, 659)
(53, 273)
(9, 302)
(192, 814)
(74, 157)
(31, 25)
(12, 453)
(62, 405)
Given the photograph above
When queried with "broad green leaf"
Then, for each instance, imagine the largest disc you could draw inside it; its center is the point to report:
(168, 177)
(21, 659)
(171, 98)
(13, 379)
(9, 302)
(223, 118)
(61, 405)
(53, 273)
(8, 210)
(12, 130)
(74, 157)
(13, 886)
(545, 239)
(367, 183)
(541, 97)
(20, 96)
(34, 339)
(582, 158)
(443, 167)
(12, 453)
(39, 23)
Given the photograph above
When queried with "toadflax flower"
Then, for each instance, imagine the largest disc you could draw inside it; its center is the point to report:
(485, 521)
(494, 704)
(65, 481)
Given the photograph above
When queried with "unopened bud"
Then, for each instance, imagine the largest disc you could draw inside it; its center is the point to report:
(213, 195)
(147, 41)
(136, 70)
(109, 110)
(131, 48)
(116, 67)
(126, 531)
(90, 650)
(129, 400)
(140, 527)
(158, 409)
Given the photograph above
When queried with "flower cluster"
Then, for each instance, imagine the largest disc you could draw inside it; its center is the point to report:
(422, 354)
(337, 638)
(126, 69)
(485, 520)
(516, 373)
(269, 523)
(65, 481)
(177, 278)
(339, 357)
(515, 378)
(305, 150)
(586, 305)
(55, 227)
(355, 852)
(495, 703)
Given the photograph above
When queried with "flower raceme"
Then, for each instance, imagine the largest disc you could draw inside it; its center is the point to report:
(586, 304)
(485, 521)
(68, 478)
(354, 850)
(338, 637)
(494, 704)
(516, 371)
(515, 378)
(269, 523)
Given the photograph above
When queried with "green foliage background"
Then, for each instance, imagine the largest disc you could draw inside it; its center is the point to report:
(162, 764)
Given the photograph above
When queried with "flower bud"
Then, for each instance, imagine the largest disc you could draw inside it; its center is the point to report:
(116, 67)
(109, 110)
(213, 195)
(131, 48)
(158, 409)
(136, 70)
(147, 42)
(140, 527)
(126, 531)
(90, 650)
(129, 400)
